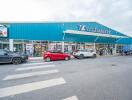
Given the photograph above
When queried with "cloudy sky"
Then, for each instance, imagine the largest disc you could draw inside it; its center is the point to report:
(115, 14)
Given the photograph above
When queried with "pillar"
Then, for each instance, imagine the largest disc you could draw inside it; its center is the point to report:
(94, 45)
(84, 45)
(11, 45)
(63, 46)
(48, 46)
(115, 49)
(32, 52)
(23, 46)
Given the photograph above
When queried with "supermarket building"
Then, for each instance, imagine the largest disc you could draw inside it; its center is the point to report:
(35, 38)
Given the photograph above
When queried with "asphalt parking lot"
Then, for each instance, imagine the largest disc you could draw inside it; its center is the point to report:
(103, 78)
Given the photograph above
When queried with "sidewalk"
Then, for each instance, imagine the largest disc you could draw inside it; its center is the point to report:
(72, 57)
(107, 56)
(35, 58)
(39, 58)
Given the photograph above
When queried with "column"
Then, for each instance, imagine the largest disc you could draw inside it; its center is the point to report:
(11, 44)
(63, 46)
(48, 46)
(84, 45)
(32, 51)
(115, 49)
(94, 45)
(23, 46)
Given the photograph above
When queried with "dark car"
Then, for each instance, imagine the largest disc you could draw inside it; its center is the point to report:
(12, 57)
(24, 56)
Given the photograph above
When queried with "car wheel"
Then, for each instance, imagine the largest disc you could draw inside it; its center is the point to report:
(48, 59)
(16, 61)
(94, 56)
(66, 58)
(81, 56)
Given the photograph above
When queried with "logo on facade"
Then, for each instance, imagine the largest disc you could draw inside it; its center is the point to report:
(95, 30)
(82, 28)
(3, 31)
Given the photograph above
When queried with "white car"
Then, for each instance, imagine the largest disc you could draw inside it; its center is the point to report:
(84, 54)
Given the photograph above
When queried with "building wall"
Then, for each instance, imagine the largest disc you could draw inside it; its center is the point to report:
(54, 31)
(36, 31)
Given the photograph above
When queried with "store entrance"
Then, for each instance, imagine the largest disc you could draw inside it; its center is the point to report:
(105, 49)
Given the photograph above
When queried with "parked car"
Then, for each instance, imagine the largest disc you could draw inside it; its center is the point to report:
(84, 54)
(55, 55)
(24, 56)
(7, 56)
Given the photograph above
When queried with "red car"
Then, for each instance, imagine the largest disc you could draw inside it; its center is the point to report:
(55, 55)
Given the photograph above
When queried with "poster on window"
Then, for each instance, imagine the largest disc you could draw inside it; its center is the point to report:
(29, 49)
(3, 31)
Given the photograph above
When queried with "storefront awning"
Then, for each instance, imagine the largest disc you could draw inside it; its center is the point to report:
(93, 34)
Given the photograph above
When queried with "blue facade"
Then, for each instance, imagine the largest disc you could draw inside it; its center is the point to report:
(55, 32)
(36, 31)
(127, 47)
(125, 41)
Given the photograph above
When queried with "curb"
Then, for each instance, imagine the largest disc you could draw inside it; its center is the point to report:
(35, 58)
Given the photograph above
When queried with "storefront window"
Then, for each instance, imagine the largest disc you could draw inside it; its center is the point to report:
(4, 43)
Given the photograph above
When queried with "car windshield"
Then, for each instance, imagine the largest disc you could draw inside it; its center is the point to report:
(83, 50)
(8, 51)
(22, 53)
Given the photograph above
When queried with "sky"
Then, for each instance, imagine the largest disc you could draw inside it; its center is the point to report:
(116, 14)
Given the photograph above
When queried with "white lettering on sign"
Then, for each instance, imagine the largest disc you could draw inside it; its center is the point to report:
(95, 30)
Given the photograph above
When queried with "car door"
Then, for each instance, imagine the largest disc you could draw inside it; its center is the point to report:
(86, 53)
(61, 55)
(90, 53)
(54, 55)
(58, 55)
(4, 57)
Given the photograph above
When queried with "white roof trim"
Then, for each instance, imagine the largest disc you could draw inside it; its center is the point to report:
(93, 34)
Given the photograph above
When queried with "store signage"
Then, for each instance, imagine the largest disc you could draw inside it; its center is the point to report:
(84, 28)
(3, 31)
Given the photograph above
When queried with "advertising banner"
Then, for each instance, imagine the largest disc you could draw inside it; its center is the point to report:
(3, 31)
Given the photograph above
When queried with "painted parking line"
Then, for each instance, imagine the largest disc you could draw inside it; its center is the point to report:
(71, 98)
(13, 90)
(38, 73)
(29, 64)
(35, 67)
